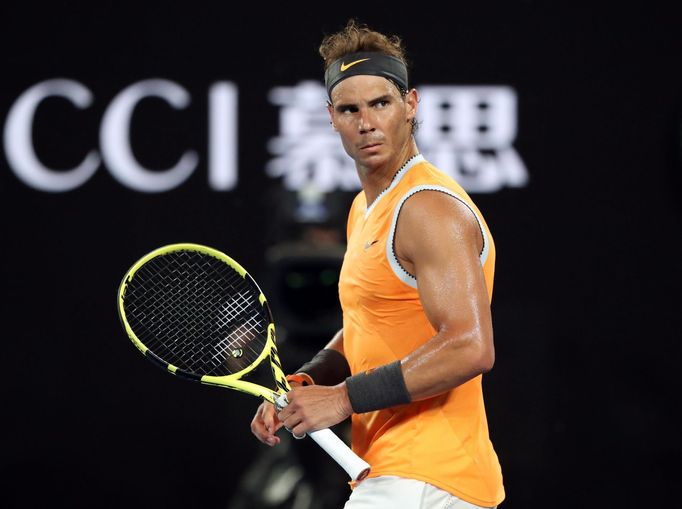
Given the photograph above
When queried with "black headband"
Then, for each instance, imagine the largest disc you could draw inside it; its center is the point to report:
(367, 63)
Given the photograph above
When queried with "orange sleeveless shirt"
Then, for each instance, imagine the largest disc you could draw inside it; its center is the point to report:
(441, 440)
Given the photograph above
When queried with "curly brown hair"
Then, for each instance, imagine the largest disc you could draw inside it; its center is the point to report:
(356, 37)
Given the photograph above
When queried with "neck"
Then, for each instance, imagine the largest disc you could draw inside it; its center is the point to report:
(375, 179)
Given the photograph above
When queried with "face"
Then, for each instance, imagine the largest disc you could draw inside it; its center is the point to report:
(373, 119)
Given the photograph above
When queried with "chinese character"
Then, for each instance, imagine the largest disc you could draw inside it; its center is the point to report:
(467, 132)
(308, 153)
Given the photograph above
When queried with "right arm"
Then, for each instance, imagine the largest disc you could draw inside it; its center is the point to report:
(337, 342)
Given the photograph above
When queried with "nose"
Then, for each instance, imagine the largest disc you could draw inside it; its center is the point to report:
(365, 122)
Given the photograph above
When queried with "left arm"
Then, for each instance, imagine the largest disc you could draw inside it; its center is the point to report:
(439, 239)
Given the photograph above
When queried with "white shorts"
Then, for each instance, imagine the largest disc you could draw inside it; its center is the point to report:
(390, 492)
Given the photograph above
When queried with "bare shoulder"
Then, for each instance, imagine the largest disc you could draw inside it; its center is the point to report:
(434, 219)
(428, 210)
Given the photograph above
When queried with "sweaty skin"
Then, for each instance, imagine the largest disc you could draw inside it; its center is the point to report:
(437, 239)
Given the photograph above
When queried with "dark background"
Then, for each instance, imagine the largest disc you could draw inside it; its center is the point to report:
(582, 401)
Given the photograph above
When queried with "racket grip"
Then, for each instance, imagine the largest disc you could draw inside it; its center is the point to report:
(354, 465)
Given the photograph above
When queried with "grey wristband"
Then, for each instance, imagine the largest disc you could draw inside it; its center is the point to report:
(380, 388)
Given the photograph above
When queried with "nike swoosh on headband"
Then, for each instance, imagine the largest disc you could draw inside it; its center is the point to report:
(347, 66)
(374, 64)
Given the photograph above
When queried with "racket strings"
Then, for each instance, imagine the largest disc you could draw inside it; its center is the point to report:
(198, 313)
(196, 354)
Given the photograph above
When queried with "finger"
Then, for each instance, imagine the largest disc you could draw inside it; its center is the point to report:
(270, 420)
(259, 431)
(264, 426)
(270, 440)
(291, 422)
(285, 413)
(298, 432)
(258, 426)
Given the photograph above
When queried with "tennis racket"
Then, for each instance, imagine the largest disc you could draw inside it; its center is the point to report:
(196, 313)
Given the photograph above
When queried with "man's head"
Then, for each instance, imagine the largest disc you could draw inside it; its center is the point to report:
(360, 41)
(370, 103)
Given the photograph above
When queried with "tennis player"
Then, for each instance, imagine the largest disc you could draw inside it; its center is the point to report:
(415, 290)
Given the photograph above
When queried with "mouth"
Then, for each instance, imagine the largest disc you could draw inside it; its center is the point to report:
(369, 146)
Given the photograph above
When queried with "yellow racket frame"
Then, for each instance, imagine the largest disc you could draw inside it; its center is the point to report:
(232, 381)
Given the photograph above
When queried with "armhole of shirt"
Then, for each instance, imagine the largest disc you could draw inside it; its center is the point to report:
(398, 269)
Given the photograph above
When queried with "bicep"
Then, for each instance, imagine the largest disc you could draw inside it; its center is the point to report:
(441, 239)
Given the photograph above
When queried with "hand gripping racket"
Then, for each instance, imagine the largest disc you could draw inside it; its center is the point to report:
(197, 313)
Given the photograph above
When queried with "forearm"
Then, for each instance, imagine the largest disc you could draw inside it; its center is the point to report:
(336, 343)
(441, 364)
(328, 366)
(323, 399)
(445, 362)
(436, 367)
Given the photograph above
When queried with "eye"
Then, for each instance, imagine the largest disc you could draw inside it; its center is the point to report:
(381, 104)
(348, 109)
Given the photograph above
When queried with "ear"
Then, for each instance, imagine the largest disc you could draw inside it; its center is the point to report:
(330, 110)
(411, 100)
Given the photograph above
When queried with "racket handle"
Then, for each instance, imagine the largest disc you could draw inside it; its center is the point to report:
(354, 465)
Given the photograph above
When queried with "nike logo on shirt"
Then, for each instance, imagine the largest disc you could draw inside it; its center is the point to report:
(369, 244)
